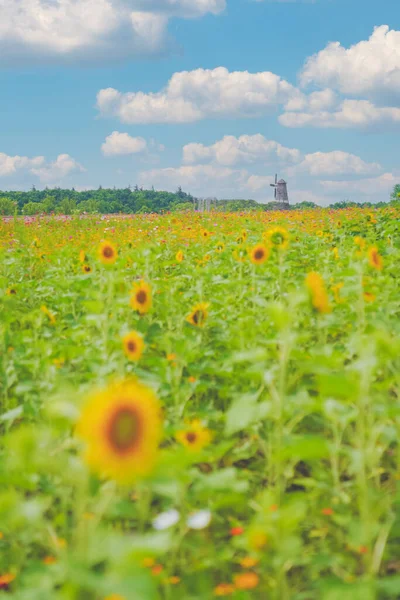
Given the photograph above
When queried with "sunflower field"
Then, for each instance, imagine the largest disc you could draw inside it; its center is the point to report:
(201, 405)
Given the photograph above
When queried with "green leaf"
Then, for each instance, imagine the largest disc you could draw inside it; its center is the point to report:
(242, 412)
(305, 447)
(12, 415)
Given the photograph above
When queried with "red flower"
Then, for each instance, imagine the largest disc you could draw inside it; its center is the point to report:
(237, 531)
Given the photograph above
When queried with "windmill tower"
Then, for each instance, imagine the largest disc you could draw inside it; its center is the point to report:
(280, 193)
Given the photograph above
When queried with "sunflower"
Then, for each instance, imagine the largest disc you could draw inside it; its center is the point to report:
(199, 314)
(195, 437)
(133, 345)
(205, 234)
(319, 296)
(86, 268)
(121, 426)
(278, 237)
(179, 256)
(5, 580)
(369, 297)
(259, 254)
(375, 259)
(220, 247)
(107, 253)
(141, 297)
(11, 291)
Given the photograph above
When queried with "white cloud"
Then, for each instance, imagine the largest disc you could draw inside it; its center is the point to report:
(203, 93)
(37, 165)
(11, 164)
(204, 180)
(122, 143)
(381, 186)
(321, 100)
(258, 182)
(231, 151)
(350, 114)
(91, 29)
(369, 68)
(63, 166)
(334, 163)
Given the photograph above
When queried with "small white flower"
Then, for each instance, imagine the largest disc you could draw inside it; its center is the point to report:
(199, 519)
(166, 519)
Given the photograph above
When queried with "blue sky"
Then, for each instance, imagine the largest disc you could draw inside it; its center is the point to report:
(212, 95)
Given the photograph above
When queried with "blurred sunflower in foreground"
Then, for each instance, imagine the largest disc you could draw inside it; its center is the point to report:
(121, 426)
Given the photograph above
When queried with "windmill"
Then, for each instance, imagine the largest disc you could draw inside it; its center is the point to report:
(280, 192)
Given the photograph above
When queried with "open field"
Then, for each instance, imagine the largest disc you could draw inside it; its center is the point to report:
(198, 406)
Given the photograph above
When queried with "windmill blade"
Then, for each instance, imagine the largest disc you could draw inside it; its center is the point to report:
(276, 178)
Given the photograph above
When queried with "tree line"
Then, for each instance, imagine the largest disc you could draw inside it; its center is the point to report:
(135, 200)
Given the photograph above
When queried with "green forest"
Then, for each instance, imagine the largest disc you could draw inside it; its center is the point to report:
(133, 200)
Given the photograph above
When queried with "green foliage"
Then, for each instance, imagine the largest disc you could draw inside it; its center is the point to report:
(33, 208)
(395, 196)
(7, 206)
(299, 470)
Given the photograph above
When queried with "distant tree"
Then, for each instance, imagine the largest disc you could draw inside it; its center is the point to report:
(144, 210)
(49, 204)
(33, 208)
(89, 206)
(7, 206)
(182, 206)
(305, 204)
(395, 195)
(67, 206)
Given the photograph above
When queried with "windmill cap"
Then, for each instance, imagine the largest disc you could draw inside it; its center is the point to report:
(281, 181)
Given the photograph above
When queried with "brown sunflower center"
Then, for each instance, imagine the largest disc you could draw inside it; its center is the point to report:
(198, 317)
(259, 254)
(131, 345)
(141, 297)
(108, 252)
(12, 291)
(191, 437)
(124, 430)
(87, 269)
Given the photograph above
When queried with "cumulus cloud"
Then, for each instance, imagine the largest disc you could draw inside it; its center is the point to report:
(371, 186)
(203, 93)
(63, 166)
(204, 180)
(256, 183)
(370, 68)
(231, 151)
(37, 165)
(336, 162)
(11, 164)
(91, 29)
(350, 114)
(122, 143)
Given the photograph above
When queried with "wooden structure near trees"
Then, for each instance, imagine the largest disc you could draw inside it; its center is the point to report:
(280, 193)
